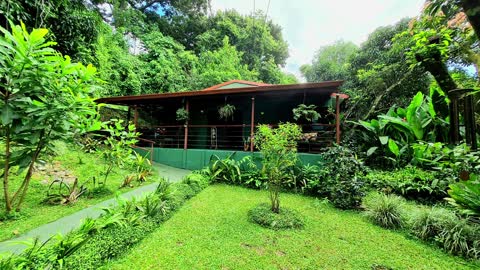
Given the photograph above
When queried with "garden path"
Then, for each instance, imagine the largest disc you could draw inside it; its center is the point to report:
(68, 223)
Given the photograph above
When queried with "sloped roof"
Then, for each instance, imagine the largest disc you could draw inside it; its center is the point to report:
(327, 87)
(235, 84)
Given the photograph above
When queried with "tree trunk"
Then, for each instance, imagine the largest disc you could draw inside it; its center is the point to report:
(384, 93)
(472, 10)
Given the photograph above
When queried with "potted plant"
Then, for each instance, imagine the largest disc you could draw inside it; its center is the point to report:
(226, 111)
(306, 113)
(182, 115)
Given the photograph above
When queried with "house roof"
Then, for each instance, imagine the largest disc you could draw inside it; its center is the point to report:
(241, 87)
(235, 84)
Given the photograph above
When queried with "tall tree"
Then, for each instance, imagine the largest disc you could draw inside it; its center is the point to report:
(331, 62)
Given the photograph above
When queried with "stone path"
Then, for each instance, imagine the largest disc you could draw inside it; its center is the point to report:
(68, 223)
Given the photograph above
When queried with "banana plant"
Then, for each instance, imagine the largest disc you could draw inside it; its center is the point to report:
(396, 130)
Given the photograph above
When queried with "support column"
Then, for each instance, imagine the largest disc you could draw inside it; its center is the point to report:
(337, 117)
(185, 139)
(129, 115)
(454, 133)
(135, 117)
(470, 125)
(252, 124)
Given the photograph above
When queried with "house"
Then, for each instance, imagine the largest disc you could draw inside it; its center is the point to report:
(189, 143)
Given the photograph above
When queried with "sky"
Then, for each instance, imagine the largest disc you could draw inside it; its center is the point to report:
(309, 24)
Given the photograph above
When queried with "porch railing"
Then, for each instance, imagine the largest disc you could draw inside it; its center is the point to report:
(228, 137)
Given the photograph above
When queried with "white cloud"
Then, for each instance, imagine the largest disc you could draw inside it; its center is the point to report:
(309, 24)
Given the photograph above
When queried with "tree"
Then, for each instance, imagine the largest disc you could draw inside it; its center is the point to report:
(331, 62)
(44, 97)
(219, 66)
(381, 76)
(279, 152)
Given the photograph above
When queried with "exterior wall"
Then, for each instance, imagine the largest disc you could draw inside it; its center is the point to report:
(195, 159)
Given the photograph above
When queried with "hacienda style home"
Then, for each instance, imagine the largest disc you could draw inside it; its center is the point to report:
(184, 129)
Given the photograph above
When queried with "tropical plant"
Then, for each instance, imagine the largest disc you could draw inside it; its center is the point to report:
(62, 192)
(384, 210)
(182, 115)
(306, 112)
(279, 152)
(465, 196)
(44, 97)
(224, 170)
(429, 222)
(117, 149)
(226, 111)
(342, 177)
(394, 132)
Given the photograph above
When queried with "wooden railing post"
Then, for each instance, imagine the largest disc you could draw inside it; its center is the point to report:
(135, 117)
(185, 139)
(337, 117)
(252, 124)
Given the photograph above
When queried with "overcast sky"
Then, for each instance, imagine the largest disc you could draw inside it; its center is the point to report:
(309, 24)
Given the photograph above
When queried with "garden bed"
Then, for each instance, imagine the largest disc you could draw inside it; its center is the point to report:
(84, 167)
(212, 231)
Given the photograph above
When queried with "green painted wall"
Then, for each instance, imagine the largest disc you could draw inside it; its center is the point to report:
(195, 159)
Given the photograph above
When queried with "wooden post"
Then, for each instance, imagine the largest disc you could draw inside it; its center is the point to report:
(135, 117)
(252, 124)
(185, 139)
(129, 115)
(454, 133)
(337, 117)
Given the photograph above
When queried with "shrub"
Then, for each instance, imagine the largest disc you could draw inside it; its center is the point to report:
(466, 196)
(453, 234)
(109, 243)
(429, 222)
(341, 178)
(384, 210)
(306, 177)
(196, 181)
(284, 219)
(410, 182)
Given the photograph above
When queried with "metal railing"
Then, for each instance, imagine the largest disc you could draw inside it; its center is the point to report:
(228, 137)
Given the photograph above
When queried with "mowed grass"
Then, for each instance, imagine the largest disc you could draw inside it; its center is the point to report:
(211, 231)
(34, 213)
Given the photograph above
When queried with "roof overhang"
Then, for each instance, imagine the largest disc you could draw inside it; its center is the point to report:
(326, 88)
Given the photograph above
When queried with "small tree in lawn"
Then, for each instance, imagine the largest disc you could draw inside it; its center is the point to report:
(117, 150)
(44, 97)
(279, 151)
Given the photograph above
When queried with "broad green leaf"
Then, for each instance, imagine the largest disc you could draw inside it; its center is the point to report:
(393, 147)
(371, 150)
(383, 139)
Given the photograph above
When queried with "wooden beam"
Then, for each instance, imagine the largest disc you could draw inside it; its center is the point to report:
(185, 138)
(252, 124)
(337, 117)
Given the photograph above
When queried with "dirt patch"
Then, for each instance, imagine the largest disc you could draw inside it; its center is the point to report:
(53, 171)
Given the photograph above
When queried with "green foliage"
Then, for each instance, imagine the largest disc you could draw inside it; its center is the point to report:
(284, 219)
(384, 210)
(61, 192)
(117, 149)
(223, 170)
(221, 65)
(45, 97)
(380, 76)
(341, 177)
(182, 115)
(306, 112)
(465, 195)
(331, 62)
(412, 183)
(226, 111)
(119, 69)
(395, 132)
(279, 152)
(429, 222)
(196, 181)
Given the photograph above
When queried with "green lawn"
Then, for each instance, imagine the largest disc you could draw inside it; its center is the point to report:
(211, 231)
(34, 213)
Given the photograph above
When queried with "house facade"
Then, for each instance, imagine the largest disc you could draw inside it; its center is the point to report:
(184, 129)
